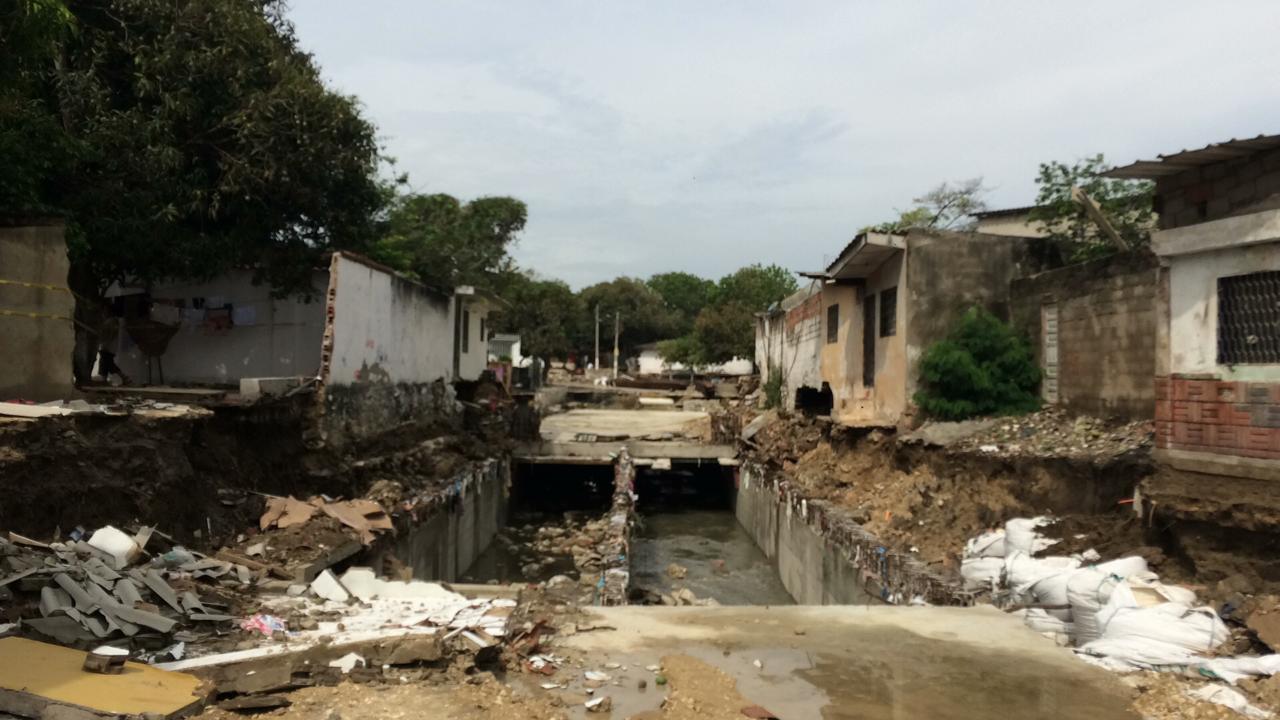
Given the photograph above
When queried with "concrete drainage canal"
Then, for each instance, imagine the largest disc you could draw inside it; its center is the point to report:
(686, 545)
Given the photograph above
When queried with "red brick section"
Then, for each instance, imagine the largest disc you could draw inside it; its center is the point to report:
(1224, 418)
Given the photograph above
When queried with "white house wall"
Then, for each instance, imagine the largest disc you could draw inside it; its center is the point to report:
(1193, 309)
(270, 337)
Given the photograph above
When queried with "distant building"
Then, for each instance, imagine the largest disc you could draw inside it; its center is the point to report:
(649, 361)
(1013, 222)
(505, 346)
(1217, 369)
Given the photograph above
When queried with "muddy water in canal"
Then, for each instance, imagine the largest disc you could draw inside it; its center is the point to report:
(719, 558)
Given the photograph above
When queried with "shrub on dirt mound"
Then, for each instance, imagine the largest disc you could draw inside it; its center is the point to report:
(982, 368)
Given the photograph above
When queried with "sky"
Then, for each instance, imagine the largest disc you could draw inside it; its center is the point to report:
(704, 135)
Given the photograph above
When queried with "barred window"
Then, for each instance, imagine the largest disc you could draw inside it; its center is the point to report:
(1249, 318)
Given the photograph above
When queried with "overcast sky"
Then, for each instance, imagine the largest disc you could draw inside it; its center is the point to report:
(702, 135)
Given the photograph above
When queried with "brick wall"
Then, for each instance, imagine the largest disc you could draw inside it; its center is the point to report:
(1106, 331)
(1219, 417)
(1218, 190)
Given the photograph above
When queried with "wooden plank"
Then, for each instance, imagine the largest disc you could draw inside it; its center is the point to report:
(39, 675)
(31, 411)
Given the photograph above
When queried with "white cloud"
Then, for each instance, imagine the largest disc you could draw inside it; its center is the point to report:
(653, 136)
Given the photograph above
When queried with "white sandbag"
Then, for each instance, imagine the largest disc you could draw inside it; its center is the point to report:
(981, 573)
(1045, 622)
(1042, 581)
(1194, 629)
(1022, 535)
(1088, 589)
(1146, 590)
(1235, 669)
(1230, 698)
(987, 545)
(1124, 567)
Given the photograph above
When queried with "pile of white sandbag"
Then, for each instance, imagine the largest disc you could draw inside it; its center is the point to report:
(1117, 610)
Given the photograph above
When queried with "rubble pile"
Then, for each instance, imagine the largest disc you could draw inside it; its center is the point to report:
(1120, 616)
(104, 586)
(1053, 432)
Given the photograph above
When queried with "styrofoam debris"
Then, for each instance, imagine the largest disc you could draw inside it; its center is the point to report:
(347, 662)
(118, 545)
(328, 587)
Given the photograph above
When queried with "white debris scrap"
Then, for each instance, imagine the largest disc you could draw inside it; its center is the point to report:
(1230, 698)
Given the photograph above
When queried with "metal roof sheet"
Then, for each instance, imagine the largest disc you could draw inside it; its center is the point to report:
(1185, 159)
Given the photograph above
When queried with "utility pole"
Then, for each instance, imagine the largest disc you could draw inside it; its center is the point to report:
(617, 328)
(597, 336)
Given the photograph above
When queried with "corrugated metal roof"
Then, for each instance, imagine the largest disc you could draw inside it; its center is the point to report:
(1175, 163)
(1005, 211)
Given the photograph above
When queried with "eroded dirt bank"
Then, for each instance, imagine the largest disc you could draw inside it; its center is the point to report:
(927, 496)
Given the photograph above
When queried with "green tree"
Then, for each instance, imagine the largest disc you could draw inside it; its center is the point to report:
(644, 317)
(949, 206)
(755, 287)
(546, 314)
(1126, 204)
(445, 243)
(685, 294)
(982, 368)
(725, 331)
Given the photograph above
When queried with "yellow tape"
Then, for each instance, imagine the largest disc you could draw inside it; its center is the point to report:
(42, 286)
(39, 316)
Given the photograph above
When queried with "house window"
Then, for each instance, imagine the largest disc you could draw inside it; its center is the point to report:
(482, 330)
(889, 312)
(466, 331)
(833, 323)
(1249, 318)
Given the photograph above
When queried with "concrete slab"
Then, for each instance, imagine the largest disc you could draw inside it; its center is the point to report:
(565, 427)
(857, 662)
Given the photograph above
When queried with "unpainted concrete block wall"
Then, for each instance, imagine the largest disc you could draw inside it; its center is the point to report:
(35, 313)
(1218, 190)
(1106, 331)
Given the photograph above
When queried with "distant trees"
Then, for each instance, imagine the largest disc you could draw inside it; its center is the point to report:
(1126, 204)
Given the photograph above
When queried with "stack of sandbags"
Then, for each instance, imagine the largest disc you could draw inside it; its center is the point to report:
(983, 561)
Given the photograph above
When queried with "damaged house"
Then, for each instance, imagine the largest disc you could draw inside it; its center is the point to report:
(381, 348)
(1217, 364)
(876, 308)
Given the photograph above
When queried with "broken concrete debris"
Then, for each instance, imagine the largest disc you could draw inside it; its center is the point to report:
(95, 589)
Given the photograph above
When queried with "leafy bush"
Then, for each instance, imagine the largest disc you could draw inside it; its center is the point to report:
(773, 388)
(982, 368)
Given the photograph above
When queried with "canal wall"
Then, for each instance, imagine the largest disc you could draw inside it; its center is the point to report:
(825, 558)
(439, 535)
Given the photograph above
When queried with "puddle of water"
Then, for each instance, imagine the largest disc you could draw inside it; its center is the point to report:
(699, 540)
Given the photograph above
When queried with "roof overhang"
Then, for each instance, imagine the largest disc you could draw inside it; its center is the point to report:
(1175, 163)
(865, 255)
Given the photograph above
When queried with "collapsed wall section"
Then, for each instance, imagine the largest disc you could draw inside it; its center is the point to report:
(388, 354)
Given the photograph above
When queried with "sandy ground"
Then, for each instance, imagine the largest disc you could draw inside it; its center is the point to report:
(563, 427)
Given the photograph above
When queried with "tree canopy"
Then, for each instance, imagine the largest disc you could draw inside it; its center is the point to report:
(684, 294)
(180, 139)
(444, 242)
(547, 314)
(1127, 205)
(948, 206)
